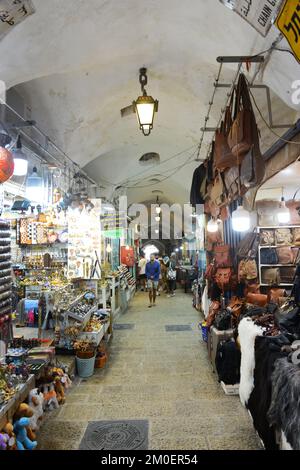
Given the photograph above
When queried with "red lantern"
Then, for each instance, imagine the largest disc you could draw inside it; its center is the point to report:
(6, 164)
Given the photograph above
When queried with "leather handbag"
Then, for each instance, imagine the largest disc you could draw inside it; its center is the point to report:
(223, 320)
(210, 172)
(253, 167)
(296, 253)
(240, 138)
(285, 255)
(223, 157)
(235, 306)
(268, 256)
(296, 236)
(267, 212)
(232, 183)
(267, 237)
(287, 274)
(242, 270)
(218, 191)
(251, 269)
(248, 246)
(294, 207)
(270, 276)
(213, 310)
(223, 278)
(222, 256)
(283, 236)
(260, 300)
(252, 288)
(199, 176)
(276, 294)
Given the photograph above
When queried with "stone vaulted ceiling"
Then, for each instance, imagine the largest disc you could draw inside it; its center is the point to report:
(76, 64)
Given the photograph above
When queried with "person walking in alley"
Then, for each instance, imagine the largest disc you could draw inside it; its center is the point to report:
(142, 272)
(171, 275)
(152, 274)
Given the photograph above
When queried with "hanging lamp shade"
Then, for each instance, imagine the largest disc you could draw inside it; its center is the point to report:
(34, 187)
(145, 107)
(6, 164)
(240, 220)
(283, 215)
(20, 160)
(212, 226)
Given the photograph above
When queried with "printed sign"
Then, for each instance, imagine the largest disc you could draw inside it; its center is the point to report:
(288, 22)
(13, 12)
(260, 14)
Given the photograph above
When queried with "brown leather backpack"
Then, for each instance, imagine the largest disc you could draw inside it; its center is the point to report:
(222, 256)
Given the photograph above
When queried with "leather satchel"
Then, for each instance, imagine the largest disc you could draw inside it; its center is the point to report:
(218, 192)
(240, 138)
(285, 255)
(270, 276)
(268, 256)
(267, 237)
(213, 310)
(222, 256)
(283, 236)
(260, 300)
(248, 246)
(223, 157)
(276, 295)
(223, 278)
(294, 207)
(287, 274)
(253, 167)
(267, 210)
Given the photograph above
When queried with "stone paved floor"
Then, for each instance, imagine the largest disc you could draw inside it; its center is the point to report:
(157, 375)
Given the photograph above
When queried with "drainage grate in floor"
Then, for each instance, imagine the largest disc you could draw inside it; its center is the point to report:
(116, 435)
(124, 326)
(178, 327)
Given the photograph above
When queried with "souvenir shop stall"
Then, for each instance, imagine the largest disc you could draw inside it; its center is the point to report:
(61, 286)
(251, 299)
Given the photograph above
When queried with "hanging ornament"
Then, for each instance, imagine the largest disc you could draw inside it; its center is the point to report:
(6, 164)
(240, 220)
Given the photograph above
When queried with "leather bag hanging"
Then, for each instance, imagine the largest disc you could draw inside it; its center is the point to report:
(213, 310)
(276, 294)
(223, 278)
(223, 157)
(251, 269)
(296, 236)
(267, 237)
(294, 207)
(210, 172)
(196, 197)
(222, 256)
(218, 191)
(287, 274)
(240, 138)
(248, 246)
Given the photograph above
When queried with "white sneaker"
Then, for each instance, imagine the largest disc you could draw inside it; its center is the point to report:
(173, 295)
(168, 296)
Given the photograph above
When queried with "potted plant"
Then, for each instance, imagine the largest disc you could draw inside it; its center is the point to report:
(85, 357)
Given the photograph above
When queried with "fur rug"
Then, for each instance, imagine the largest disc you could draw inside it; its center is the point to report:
(248, 331)
(284, 412)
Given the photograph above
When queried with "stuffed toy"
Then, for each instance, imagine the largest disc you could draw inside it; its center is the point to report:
(59, 389)
(9, 429)
(24, 435)
(4, 438)
(50, 397)
(36, 402)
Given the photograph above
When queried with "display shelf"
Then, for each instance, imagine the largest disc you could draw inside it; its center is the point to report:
(274, 227)
(278, 246)
(276, 265)
(7, 411)
(280, 285)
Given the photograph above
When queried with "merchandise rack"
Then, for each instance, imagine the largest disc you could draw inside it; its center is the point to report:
(262, 247)
(5, 281)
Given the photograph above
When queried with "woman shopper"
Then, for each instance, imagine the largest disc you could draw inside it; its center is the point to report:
(171, 275)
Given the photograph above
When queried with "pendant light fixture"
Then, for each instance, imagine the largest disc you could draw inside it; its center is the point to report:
(157, 218)
(240, 219)
(144, 107)
(158, 208)
(212, 226)
(283, 214)
(34, 186)
(20, 159)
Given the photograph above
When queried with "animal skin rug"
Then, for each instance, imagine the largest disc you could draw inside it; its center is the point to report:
(285, 406)
(248, 331)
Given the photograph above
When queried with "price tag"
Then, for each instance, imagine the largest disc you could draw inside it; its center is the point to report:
(13, 12)
(288, 22)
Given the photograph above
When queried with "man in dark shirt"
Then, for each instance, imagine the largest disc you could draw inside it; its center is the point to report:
(152, 274)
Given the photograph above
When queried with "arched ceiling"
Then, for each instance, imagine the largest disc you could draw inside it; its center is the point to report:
(76, 65)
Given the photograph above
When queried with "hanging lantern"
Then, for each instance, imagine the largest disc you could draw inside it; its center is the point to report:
(20, 159)
(145, 106)
(34, 187)
(240, 220)
(283, 215)
(6, 165)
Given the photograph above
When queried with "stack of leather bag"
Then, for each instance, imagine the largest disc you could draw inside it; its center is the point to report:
(235, 163)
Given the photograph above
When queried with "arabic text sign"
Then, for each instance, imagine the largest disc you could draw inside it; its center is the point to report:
(13, 12)
(258, 13)
(288, 22)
